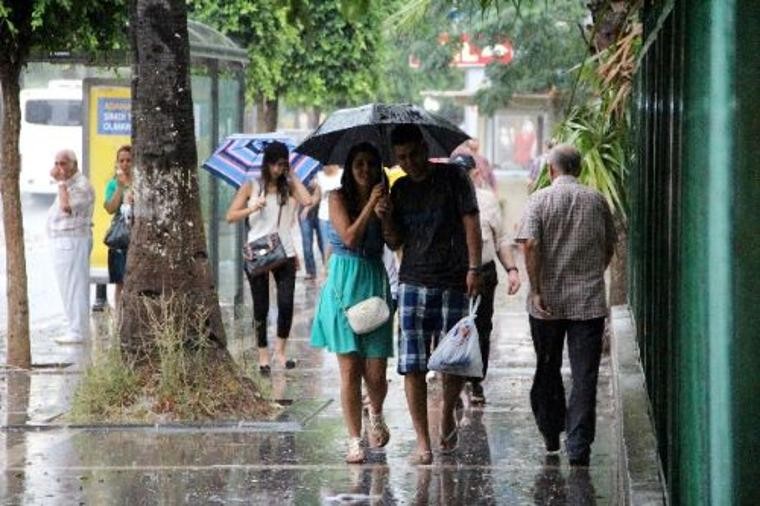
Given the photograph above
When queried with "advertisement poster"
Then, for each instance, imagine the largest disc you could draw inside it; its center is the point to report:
(108, 126)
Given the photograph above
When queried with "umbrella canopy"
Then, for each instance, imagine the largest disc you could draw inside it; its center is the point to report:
(332, 140)
(239, 158)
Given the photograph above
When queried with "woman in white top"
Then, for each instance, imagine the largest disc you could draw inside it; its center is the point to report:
(328, 180)
(270, 205)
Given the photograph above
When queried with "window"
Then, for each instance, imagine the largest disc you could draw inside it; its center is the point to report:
(58, 112)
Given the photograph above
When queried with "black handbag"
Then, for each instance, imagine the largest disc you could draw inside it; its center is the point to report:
(265, 253)
(117, 236)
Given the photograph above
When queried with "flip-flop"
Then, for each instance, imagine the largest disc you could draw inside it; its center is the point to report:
(265, 370)
(290, 364)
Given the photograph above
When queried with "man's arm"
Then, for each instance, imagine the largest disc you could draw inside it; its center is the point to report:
(531, 249)
(533, 264)
(63, 197)
(391, 235)
(508, 261)
(471, 224)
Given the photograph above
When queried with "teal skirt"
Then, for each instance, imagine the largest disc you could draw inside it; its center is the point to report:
(353, 279)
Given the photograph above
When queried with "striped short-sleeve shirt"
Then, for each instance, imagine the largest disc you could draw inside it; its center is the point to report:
(573, 227)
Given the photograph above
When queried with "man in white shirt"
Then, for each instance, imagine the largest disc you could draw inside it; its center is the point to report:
(497, 245)
(69, 229)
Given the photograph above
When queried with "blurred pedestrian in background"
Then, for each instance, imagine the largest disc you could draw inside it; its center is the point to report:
(484, 177)
(119, 200)
(308, 221)
(69, 229)
(537, 165)
(496, 245)
(328, 180)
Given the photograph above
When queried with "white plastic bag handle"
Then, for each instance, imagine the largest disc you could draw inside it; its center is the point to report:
(474, 303)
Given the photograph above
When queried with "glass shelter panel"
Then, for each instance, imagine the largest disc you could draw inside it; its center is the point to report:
(229, 246)
(202, 100)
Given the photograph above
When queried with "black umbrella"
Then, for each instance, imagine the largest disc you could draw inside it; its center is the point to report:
(330, 142)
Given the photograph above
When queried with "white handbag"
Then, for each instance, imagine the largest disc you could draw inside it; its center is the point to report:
(367, 315)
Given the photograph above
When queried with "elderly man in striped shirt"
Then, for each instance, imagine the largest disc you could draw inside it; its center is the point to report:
(69, 229)
(568, 237)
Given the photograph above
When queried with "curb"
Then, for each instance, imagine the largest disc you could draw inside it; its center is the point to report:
(640, 473)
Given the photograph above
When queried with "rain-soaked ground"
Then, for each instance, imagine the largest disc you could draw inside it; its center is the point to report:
(299, 458)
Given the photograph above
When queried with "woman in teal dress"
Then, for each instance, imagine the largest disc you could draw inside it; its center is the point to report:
(356, 272)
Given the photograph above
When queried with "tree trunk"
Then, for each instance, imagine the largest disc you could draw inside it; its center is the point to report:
(266, 117)
(316, 112)
(18, 351)
(609, 19)
(618, 267)
(167, 253)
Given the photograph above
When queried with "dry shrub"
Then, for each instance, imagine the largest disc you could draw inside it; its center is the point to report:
(186, 377)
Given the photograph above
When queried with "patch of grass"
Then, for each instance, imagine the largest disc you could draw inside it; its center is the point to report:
(186, 378)
(107, 388)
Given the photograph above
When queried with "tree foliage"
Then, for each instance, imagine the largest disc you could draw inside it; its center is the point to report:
(547, 42)
(337, 60)
(264, 28)
(417, 38)
(545, 37)
(598, 124)
(60, 25)
(307, 51)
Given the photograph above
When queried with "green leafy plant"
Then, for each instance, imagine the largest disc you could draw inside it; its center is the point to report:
(598, 127)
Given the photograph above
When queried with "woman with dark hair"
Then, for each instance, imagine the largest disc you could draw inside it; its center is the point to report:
(118, 200)
(270, 205)
(356, 272)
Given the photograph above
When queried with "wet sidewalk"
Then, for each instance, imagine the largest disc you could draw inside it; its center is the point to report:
(299, 458)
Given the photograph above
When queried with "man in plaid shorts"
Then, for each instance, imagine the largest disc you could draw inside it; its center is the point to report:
(569, 237)
(433, 215)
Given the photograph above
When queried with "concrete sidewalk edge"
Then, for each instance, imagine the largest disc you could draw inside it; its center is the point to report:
(640, 468)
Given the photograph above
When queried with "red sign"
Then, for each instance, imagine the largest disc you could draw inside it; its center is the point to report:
(471, 55)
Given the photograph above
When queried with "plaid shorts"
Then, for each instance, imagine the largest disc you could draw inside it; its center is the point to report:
(424, 315)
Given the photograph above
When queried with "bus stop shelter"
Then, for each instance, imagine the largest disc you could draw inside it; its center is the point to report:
(218, 88)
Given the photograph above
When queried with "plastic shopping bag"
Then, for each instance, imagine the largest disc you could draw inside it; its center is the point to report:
(458, 352)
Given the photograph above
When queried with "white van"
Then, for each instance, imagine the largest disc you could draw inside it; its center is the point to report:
(51, 120)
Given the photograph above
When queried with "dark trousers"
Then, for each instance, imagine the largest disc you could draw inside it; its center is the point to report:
(285, 281)
(547, 396)
(310, 227)
(484, 321)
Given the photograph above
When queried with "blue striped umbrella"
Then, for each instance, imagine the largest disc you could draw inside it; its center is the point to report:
(238, 159)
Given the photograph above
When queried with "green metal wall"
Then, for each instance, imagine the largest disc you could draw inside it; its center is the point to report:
(746, 249)
(695, 243)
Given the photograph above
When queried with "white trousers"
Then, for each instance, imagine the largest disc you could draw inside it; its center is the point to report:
(71, 262)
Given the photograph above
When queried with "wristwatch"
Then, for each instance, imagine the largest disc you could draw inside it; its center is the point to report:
(513, 268)
(476, 270)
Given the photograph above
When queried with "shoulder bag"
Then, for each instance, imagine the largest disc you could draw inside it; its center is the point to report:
(265, 253)
(367, 315)
(117, 236)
